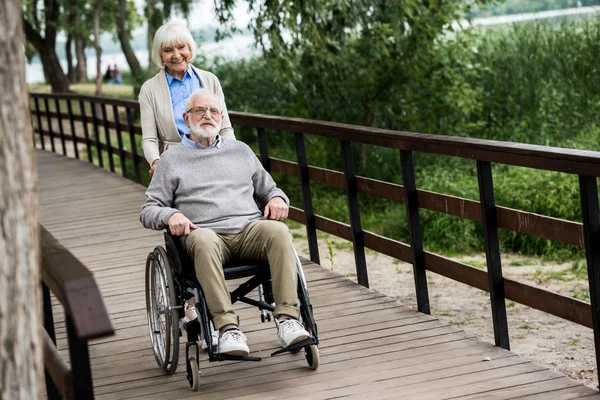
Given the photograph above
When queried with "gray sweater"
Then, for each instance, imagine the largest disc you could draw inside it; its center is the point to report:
(215, 188)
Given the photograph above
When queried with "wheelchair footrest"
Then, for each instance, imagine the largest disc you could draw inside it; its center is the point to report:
(308, 342)
(224, 357)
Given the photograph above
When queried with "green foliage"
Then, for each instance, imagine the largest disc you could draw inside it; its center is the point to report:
(533, 83)
(550, 87)
(579, 269)
(583, 295)
(363, 62)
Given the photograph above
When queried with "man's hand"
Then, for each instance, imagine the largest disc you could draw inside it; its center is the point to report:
(153, 167)
(180, 225)
(276, 209)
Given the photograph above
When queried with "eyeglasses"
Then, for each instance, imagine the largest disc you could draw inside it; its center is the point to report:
(202, 110)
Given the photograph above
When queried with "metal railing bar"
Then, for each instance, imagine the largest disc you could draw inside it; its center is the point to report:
(354, 211)
(492, 253)
(414, 226)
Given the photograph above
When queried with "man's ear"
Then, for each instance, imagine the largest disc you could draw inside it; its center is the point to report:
(185, 118)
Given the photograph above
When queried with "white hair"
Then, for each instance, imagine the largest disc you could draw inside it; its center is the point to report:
(199, 92)
(169, 35)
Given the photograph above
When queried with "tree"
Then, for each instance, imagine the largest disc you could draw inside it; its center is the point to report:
(78, 23)
(157, 11)
(123, 32)
(365, 62)
(42, 35)
(20, 307)
(77, 29)
(360, 55)
(96, 32)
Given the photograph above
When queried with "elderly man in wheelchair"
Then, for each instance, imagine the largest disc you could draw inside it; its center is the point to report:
(208, 192)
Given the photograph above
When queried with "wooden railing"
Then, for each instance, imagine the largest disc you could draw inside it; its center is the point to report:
(585, 164)
(86, 318)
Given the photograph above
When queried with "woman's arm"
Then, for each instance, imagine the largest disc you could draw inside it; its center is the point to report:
(149, 128)
(226, 128)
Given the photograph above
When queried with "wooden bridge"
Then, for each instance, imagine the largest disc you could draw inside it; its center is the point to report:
(371, 346)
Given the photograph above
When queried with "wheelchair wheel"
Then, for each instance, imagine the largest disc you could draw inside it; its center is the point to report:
(163, 321)
(194, 379)
(312, 356)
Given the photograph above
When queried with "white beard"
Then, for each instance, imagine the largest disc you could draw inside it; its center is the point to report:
(204, 132)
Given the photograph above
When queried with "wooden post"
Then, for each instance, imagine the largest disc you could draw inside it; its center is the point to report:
(311, 230)
(492, 253)
(357, 233)
(414, 226)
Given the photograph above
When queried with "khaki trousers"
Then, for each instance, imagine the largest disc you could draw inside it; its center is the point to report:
(260, 240)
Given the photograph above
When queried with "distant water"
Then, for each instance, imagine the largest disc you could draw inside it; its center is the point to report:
(506, 19)
(234, 48)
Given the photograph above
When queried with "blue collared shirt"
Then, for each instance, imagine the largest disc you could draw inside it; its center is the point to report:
(187, 142)
(180, 91)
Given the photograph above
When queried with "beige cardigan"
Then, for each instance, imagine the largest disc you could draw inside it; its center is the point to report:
(159, 131)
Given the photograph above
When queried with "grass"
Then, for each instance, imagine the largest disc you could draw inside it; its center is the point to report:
(297, 235)
(528, 327)
(447, 313)
(293, 224)
(544, 276)
(583, 295)
(107, 90)
(579, 269)
(341, 245)
(477, 264)
(521, 263)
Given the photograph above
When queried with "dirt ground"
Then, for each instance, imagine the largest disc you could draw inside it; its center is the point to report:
(548, 340)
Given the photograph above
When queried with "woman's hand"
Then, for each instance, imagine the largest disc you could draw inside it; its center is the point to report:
(153, 167)
(276, 209)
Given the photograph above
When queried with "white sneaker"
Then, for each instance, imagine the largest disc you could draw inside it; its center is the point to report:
(233, 342)
(215, 338)
(190, 313)
(290, 331)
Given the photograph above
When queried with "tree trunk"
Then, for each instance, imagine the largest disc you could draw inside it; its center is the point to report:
(153, 19)
(20, 307)
(54, 73)
(69, 55)
(137, 73)
(96, 30)
(81, 67)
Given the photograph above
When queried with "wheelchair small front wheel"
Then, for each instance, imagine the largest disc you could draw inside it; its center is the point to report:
(194, 374)
(312, 356)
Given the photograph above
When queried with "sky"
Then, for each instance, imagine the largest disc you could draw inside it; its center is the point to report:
(202, 14)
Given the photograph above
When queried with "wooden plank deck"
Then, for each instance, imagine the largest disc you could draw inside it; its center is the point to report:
(371, 346)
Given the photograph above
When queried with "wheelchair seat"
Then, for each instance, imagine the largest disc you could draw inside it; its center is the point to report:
(183, 264)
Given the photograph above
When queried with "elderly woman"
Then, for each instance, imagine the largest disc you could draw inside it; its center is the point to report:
(162, 98)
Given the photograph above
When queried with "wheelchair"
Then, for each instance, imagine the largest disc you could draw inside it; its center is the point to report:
(171, 280)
